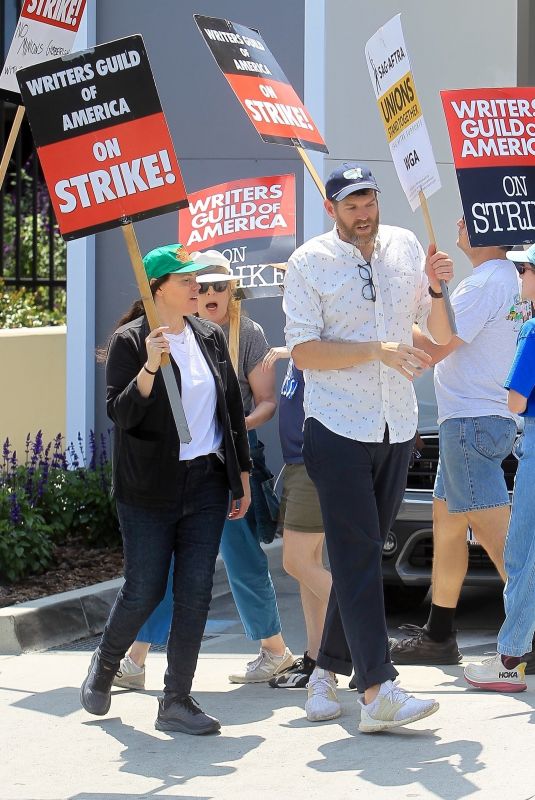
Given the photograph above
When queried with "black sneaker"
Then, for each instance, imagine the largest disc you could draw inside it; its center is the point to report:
(529, 658)
(95, 693)
(297, 676)
(421, 649)
(184, 714)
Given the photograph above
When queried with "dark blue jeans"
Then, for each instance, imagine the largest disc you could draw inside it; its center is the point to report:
(360, 486)
(192, 532)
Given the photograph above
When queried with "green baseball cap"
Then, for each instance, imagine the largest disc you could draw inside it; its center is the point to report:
(168, 259)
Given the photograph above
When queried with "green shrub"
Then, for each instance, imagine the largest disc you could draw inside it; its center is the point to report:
(25, 307)
(22, 308)
(55, 495)
(26, 545)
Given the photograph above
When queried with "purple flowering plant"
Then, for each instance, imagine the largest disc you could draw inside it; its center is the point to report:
(57, 492)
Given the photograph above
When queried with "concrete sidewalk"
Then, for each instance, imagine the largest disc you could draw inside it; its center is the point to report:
(476, 745)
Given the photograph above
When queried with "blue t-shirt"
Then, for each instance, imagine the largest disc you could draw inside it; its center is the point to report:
(521, 378)
(292, 415)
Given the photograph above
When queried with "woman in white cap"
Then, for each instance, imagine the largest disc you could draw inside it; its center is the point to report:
(245, 561)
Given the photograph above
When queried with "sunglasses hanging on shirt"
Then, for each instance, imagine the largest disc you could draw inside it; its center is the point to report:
(368, 290)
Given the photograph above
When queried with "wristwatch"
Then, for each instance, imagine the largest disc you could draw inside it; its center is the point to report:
(436, 295)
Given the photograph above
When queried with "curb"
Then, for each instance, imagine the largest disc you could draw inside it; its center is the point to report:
(80, 613)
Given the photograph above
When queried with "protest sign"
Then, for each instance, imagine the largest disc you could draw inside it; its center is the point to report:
(46, 29)
(406, 131)
(102, 138)
(492, 134)
(264, 91)
(405, 128)
(251, 221)
(107, 154)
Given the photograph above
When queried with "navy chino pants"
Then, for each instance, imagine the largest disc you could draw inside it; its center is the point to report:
(360, 487)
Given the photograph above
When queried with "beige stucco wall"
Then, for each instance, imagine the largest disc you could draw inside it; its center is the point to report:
(32, 390)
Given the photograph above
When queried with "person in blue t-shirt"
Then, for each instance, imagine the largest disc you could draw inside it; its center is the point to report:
(505, 671)
(303, 525)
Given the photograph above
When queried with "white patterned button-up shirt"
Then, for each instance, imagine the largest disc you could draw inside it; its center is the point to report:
(323, 300)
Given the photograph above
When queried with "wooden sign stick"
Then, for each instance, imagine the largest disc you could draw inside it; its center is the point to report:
(152, 316)
(234, 336)
(10, 144)
(432, 240)
(312, 170)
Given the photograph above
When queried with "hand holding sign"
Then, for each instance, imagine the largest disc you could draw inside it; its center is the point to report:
(438, 267)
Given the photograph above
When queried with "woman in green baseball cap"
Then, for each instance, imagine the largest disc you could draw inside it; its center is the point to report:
(172, 497)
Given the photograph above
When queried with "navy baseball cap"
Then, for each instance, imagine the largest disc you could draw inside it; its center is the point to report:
(351, 176)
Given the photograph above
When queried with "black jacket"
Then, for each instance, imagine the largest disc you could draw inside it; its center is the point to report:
(146, 446)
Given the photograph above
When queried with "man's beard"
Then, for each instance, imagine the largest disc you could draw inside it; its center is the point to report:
(351, 235)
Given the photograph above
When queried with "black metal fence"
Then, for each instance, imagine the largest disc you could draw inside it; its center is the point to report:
(32, 253)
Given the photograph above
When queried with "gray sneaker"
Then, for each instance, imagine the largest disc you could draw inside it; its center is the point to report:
(264, 667)
(129, 675)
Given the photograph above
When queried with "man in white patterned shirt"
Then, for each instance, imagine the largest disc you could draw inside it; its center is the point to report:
(351, 298)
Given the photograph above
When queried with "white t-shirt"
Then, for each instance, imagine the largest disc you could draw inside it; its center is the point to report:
(489, 313)
(198, 396)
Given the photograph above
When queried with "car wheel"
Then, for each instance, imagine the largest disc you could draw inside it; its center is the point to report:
(403, 598)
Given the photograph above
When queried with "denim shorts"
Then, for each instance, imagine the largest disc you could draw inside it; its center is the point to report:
(471, 450)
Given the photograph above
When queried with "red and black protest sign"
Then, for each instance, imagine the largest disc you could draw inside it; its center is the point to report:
(251, 221)
(102, 138)
(492, 134)
(259, 83)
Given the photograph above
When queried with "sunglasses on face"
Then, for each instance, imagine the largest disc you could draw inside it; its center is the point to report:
(217, 286)
(522, 268)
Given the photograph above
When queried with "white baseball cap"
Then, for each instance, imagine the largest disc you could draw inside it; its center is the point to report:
(215, 264)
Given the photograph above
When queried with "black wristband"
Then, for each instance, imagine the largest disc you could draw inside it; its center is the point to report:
(148, 370)
(436, 295)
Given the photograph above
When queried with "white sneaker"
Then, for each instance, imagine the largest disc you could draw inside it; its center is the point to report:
(393, 707)
(492, 675)
(322, 701)
(129, 675)
(264, 667)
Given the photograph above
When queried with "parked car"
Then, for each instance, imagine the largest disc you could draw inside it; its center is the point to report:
(408, 549)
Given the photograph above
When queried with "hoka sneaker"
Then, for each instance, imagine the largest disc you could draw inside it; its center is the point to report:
(129, 675)
(493, 674)
(322, 701)
(392, 708)
(297, 677)
(264, 667)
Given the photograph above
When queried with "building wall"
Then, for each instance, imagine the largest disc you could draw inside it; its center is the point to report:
(213, 138)
(34, 397)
